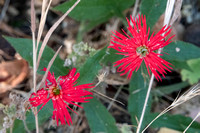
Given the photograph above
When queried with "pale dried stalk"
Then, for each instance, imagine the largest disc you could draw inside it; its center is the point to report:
(185, 97)
(48, 67)
(107, 97)
(168, 14)
(33, 27)
(135, 8)
(191, 122)
(43, 20)
(177, 11)
(51, 30)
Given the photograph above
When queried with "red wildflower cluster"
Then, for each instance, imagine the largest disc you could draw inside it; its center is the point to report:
(140, 47)
(61, 92)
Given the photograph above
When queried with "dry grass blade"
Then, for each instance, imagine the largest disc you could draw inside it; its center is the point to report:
(116, 95)
(107, 97)
(136, 5)
(48, 67)
(177, 11)
(194, 91)
(52, 30)
(192, 122)
(43, 20)
(33, 25)
(168, 11)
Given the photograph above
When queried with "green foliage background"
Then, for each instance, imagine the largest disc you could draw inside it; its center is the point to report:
(92, 13)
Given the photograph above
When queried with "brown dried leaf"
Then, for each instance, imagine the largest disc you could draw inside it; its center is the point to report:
(12, 73)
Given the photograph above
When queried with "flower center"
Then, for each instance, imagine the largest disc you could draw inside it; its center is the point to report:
(56, 91)
(142, 51)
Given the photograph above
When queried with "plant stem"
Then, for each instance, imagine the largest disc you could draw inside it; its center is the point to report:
(168, 14)
(34, 79)
(135, 8)
(145, 104)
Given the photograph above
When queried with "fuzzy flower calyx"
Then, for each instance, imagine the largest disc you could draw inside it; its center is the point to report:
(61, 92)
(139, 47)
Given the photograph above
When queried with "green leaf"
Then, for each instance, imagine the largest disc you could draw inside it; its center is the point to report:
(138, 90)
(176, 122)
(152, 9)
(100, 120)
(164, 90)
(25, 48)
(111, 56)
(95, 9)
(179, 64)
(91, 67)
(193, 75)
(181, 51)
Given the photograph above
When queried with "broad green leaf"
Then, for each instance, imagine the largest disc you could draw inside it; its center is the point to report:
(95, 9)
(91, 67)
(164, 90)
(111, 56)
(99, 119)
(138, 90)
(193, 75)
(179, 64)
(178, 53)
(152, 9)
(25, 48)
(176, 122)
(181, 51)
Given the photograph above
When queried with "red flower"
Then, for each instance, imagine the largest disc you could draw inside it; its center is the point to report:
(140, 47)
(61, 92)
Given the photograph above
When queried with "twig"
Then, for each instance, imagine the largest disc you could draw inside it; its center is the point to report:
(168, 14)
(3, 12)
(115, 105)
(107, 97)
(116, 95)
